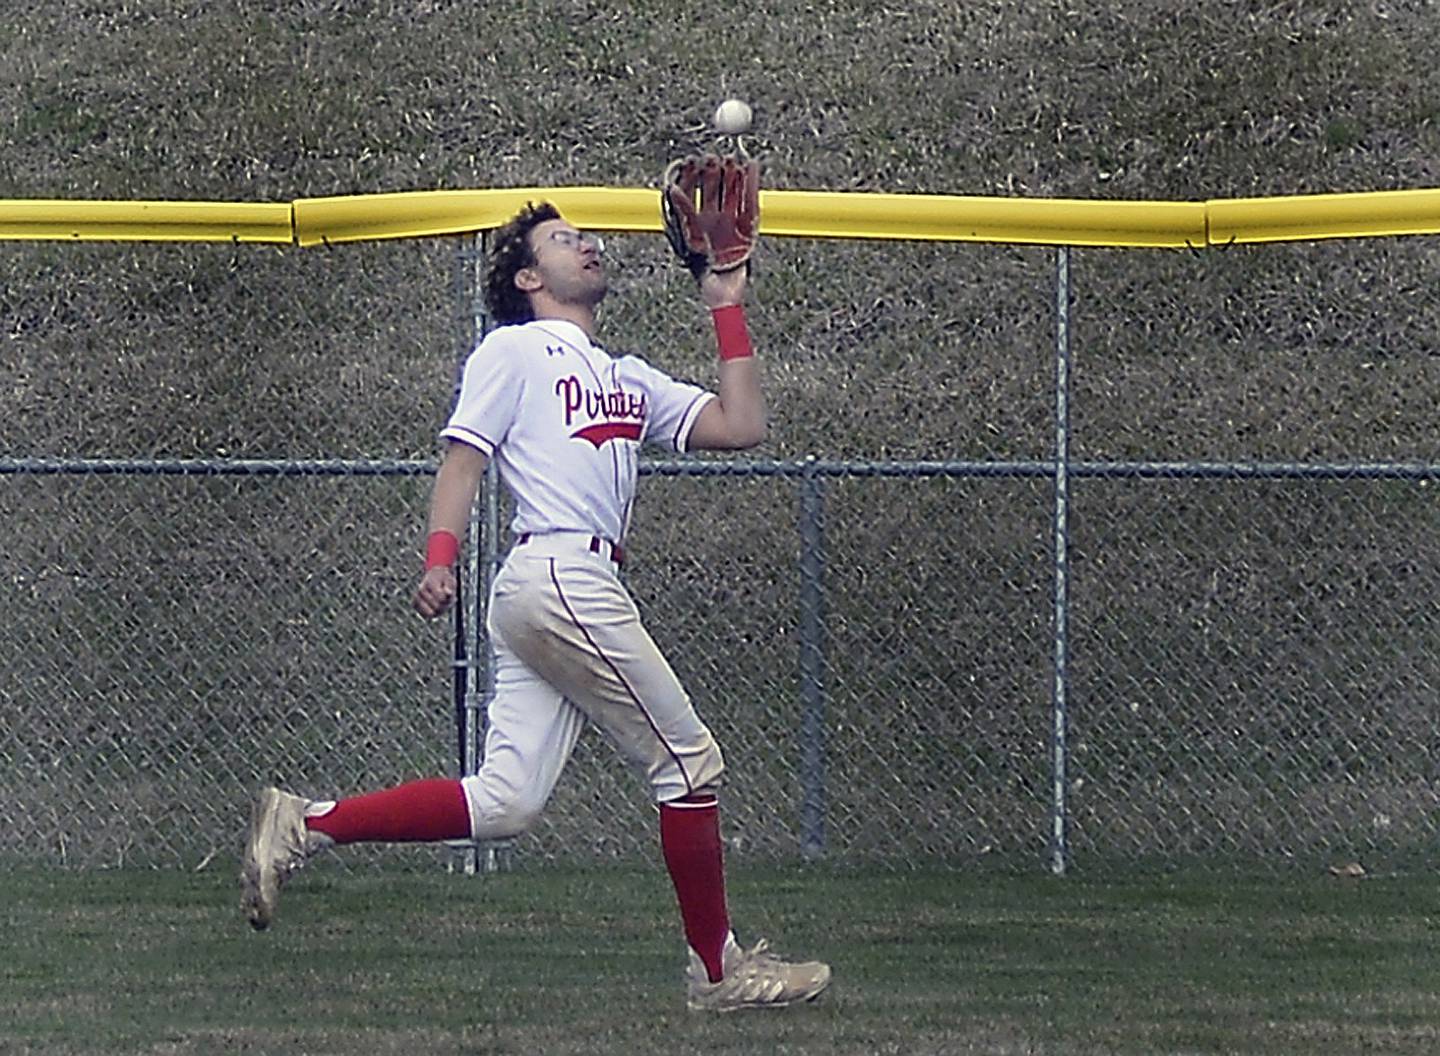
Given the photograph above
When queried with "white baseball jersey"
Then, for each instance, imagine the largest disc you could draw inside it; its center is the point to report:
(564, 421)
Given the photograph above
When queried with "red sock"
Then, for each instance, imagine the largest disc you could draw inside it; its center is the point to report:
(433, 809)
(690, 838)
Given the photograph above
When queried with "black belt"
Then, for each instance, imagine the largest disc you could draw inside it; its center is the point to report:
(597, 544)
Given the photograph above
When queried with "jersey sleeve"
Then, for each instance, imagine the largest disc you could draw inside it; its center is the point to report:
(674, 407)
(490, 391)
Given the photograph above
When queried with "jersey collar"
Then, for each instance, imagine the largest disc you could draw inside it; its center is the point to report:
(565, 330)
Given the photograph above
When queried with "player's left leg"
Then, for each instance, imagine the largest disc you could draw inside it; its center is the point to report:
(695, 858)
(730, 977)
(579, 629)
(584, 636)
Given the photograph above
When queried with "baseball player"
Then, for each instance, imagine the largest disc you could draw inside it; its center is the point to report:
(564, 421)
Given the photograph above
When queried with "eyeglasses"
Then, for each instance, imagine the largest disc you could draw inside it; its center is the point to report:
(576, 239)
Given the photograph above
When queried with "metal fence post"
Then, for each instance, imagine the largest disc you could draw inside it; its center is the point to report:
(482, 559)
(467, 638)
(493, 855)
(1059, 851)
(812, 661)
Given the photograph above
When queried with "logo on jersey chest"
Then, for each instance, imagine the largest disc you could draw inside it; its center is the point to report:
(602, 416)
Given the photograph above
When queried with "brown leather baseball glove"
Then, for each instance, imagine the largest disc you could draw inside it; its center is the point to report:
(711, 207)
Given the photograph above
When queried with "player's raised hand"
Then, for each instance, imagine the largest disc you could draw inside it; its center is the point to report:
(436, 592)
(719, 289)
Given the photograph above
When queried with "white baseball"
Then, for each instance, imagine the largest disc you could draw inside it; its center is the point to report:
(732, 117)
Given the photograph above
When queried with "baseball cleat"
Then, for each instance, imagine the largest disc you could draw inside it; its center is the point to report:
(277, 844)
(754, 978)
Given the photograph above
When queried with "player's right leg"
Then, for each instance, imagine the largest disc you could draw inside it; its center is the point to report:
(276, 844)
(286, 830)
(531, 731)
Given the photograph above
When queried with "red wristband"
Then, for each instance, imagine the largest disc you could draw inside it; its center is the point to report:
(731, 332)
(442, 548)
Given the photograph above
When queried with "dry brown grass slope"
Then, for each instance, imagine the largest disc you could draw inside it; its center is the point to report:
(274, 100)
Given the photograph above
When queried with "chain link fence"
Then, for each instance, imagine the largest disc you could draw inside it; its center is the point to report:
(1087, 559)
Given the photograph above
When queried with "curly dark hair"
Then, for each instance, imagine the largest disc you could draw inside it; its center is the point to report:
(509, 254)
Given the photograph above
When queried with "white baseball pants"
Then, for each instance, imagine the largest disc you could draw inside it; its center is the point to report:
(570, 646)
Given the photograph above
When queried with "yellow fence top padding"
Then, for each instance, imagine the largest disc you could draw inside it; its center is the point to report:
(813, 214)
(1324, 216)
(1051, 221)
(419, 214)
(146, 221)
(804, 214)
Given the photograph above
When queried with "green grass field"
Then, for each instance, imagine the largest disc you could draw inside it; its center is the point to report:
(562, 962)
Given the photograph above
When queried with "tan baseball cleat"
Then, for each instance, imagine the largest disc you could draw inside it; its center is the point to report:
(277, 844)
(754, 978)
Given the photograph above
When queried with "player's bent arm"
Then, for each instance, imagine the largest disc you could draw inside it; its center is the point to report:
(456, 483)
(737, 419)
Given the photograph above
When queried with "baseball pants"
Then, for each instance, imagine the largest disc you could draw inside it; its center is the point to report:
(569, 647)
